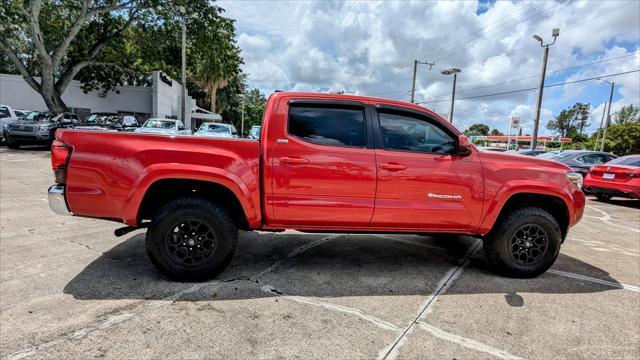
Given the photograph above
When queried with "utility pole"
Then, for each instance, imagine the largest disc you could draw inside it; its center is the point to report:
(415, 69)
(183, 70)
(606, 124)
(555, 33)
(604, 111)
(454, 72)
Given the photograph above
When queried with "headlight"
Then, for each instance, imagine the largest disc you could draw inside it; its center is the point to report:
(45, 127)
(575, 178)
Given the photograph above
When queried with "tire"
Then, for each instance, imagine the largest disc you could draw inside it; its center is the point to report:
(513, 253)
(604, 197)
(198, 257)
(13, 145)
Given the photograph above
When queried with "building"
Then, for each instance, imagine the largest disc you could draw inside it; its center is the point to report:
(161, 100)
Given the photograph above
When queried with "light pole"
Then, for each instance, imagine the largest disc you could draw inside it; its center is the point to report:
(183, 70)
(606, 122)
(555, 33)
(415, 69)
(454, 72)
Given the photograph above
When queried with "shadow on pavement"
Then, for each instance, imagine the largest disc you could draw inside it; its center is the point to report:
(351, 265)
(630, 203)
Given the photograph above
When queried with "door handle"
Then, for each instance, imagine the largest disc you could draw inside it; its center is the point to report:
(294, 160)
(393, 166)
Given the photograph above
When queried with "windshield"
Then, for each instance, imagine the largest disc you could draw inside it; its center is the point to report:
(215, 128)
(160, 124)
(31, 116)
(626, 160)
(255, 131)
(101, 118)
(44, 117)
(555, 155)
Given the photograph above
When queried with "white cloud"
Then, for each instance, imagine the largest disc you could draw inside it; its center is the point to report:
(369, 48)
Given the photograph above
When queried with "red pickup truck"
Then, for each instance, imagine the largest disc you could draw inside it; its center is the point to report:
(323, 163)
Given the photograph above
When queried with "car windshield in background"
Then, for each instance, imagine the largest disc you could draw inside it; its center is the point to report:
(31, 116)
(4, 112)
(626, 160)
(160, 124)
(255, 132)
(555, 155)
(44, 117)
(101, 119)
(218, 129)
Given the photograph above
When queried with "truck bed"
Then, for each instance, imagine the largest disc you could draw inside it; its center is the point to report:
(109, 173)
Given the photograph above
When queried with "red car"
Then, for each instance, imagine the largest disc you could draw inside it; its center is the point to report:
(323, 163)
(619, 177)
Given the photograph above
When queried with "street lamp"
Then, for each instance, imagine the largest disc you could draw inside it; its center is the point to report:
(555, 33)
(415, 69)
(606, 123)
(454, 72)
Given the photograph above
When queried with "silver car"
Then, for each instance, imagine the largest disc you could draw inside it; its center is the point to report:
(163, 127)
(217, 130)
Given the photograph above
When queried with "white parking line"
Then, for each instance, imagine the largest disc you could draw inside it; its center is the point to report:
(334, 307)
(594, 280)
(606, 218)
(445, 282)
(466, 342)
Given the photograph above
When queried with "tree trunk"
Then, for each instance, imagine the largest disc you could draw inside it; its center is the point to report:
(213, 91)
(53, 100)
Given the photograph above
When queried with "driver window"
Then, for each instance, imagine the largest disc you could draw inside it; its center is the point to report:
(405, 133)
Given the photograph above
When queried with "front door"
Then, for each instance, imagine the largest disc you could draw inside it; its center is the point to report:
(323, 171)
(422, 183)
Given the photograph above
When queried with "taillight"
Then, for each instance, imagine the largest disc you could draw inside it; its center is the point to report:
(60, 153)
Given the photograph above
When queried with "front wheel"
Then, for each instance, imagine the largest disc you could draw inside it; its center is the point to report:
(191, 239)
(525, 244)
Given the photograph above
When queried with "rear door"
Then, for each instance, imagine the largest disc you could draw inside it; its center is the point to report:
(323, 169)
(422, 183)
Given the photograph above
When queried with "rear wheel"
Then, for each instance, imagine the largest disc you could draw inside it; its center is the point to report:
(604, 197)
(525, 244)
(191, 239)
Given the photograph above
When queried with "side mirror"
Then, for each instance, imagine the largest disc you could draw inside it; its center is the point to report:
(464, 146)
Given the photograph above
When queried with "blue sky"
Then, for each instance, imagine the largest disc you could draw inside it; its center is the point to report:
(368, 48)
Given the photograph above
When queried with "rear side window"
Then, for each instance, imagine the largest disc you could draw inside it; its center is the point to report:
(333, 126)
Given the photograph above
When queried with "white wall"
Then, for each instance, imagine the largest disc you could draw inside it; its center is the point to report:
(14, 91)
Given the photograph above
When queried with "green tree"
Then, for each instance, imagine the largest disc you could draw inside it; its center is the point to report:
(104, 43)
(571, 122)
(623, 139)
(56, 40)
(477, 129)
(627, 114)
(496, 132)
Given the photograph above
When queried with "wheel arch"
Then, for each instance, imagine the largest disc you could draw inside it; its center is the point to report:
(552, 204)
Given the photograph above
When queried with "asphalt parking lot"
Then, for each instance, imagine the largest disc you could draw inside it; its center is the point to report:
(70, 289)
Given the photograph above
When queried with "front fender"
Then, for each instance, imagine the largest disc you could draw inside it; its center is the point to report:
(564, 191)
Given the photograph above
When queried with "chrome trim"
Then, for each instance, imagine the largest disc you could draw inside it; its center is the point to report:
(57, 202)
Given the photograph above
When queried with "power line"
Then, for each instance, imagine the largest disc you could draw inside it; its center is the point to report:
(534, 88)
(519, 79)
(536, 75)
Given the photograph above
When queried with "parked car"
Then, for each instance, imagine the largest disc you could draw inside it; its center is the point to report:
(580, 161)
(254, 133)
(218, 130)
(7, 116)
(530, 152)
(163, 127)
(618, 177)
(327, 162)
(38, 129)
(109, 121)
(491, 148)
